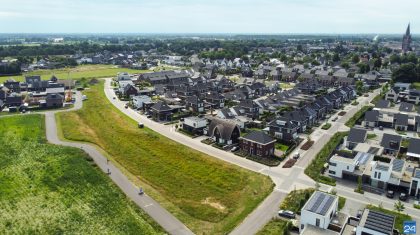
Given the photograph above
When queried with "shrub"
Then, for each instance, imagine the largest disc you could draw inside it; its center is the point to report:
(296, 199)
(352, 121)
(326, 126)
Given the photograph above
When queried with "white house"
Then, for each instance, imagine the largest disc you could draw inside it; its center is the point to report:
(339, 164)
(319, 210)
(415, 183)
(194, 124)
(123, 77)
(138, 101)
(391, 95)
(375, 223)
(380, 175)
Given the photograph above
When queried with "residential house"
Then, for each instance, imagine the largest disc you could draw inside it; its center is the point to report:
(130, 91)
(371, 119)
(383, 104)
(250, 108)
(413, 150)
(257, 143)
(215, 99)
(391, 144)
(140, 101)
(391, 95)
(318, 211)
(356, 136)
(194, 125)
(54, 100)
(380, 175)
(414, 96)
(406, 107)
(194, 104)
(161, 111)
(224, 131)
(376, 223)
(12, 85)
(283, 129)
(13, 101)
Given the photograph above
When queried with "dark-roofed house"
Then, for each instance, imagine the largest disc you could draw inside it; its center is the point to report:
(130, 91)
(258, 143)
(391, 143)
(224, 131)
(383, 104)
(401, 122)
(371, 118)
(375, 222)
(161, 111)
(54, 100)
(318, 211)
(414, 148)
(406, 107)
(13, 101)
(283, 129)
(356, 136)
(194, 104)
(215, 99)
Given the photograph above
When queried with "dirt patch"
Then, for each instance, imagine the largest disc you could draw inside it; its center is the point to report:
(217, 205)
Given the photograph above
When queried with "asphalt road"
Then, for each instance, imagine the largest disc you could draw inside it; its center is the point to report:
(286, 180)
(171, 224)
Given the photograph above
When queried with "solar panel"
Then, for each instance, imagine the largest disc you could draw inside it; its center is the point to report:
(320, 203)
(397, 165)
(379, 222)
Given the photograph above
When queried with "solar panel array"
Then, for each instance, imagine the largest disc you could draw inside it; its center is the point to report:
(320, 203)
(382, 167)
(397, 165)
(363, 158)
(379, 222)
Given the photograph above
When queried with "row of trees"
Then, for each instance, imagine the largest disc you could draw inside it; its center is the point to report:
(10, 68)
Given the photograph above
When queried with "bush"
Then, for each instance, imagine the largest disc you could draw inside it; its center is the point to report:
(326, 126)
(296, 199)
(341, 203)
(315, 168)
(382, 159)
(352, 121)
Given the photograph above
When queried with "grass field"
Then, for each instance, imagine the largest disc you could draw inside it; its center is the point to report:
(275, 227)
(48, 189)
(83, 71)
(208, 195)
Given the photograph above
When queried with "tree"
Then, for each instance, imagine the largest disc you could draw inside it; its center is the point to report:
(355, 59)
(363, 67)
(345, 65)
(377, 63)
(399, 206)
(406, 73)
(359, 87)
(395, 59)
(336, 57)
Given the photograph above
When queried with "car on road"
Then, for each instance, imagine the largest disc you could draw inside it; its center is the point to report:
(381, 128)
(114, 98)
(334, 119)
(149, 116)
(234, 149)
(126, 106)
(287, 214)
(390, 194)
(403, 197)
(359, 214)
(296, 156)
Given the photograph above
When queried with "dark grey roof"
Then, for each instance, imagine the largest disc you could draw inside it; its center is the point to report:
(382, 104)
(161, 107)
(320, 203)
(259, 137)
(380, 222)
(397, 165)
(391, 141)
(406, 107)
(401, 119)
(414, 146)
(357, 135)
(372, 116)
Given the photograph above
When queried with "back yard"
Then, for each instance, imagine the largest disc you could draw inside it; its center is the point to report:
(208, 195)
(48, 189)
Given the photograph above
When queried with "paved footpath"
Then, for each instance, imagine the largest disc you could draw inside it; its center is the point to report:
(171, 224)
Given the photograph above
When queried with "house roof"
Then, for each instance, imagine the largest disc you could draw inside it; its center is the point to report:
(224, 127)
(414, 146)
(377, 221)
(406, 107)
(357, 135)
(401, 119)
(391, 141)
(320, 203)
(372, 116)
(161, 107)
(259, 137)
(383, 104)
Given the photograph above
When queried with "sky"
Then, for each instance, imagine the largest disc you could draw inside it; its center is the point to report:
(209, 16)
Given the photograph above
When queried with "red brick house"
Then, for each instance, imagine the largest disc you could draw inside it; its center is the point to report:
(258, 143)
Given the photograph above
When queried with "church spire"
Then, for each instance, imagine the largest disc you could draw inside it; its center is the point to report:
(408, 30)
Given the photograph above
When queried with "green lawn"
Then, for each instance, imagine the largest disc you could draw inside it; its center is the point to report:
(82, 71)
(207, 194)
(48, 189)
(416, 85)
(326, 126)
(399, 217)
(282, 147)
(275, 227)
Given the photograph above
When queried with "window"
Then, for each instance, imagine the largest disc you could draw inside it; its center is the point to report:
(302, 226)
(331, 172)
(379, 175)
(333, 164)
(376, 174)
(347, 167)
(317, 222)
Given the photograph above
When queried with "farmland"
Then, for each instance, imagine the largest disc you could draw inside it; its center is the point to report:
(48, 189)
(208, 195)
(83, 71)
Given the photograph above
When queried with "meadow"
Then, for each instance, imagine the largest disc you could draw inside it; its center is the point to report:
(76, 73)
(210, 196)
(49, 189)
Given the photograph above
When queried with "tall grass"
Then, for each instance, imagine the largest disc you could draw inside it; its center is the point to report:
(48, 189)
(207, 194)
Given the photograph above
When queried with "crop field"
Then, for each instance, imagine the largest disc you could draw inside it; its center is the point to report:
(207, 194)
(48, 189)
(82, 71)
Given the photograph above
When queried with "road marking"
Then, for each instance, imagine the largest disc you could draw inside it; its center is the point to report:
(151, 204)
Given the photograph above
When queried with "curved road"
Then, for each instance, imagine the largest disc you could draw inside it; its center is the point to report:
(171, 224)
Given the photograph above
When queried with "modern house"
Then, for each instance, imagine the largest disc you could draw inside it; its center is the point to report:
(161, 111)
(194, 104)
(194, 125)
(356, 136)
(375, 223)
(318, 211)
(139, 101)
(257, 143)
(283, 129)
(391, 144)
(224, 131)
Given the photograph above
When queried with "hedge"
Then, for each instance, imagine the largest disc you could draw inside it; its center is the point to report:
(352, 121)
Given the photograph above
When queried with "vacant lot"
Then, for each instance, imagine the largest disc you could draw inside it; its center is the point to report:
(276, 227)
(48, 189)
(208, 195)
(83, 71)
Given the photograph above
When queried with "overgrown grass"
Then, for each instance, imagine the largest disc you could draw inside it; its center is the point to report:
(208, 195)
(341, 203)
(296, 199)
(48, 189)
(78, 72)
(326, 126)
(314, 169)
(399, 217)
(352, 121)
(276, 227)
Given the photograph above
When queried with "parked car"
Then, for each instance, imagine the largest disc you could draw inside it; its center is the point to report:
(149, 116)
(287, 214)
(141, 125)
(403, 197)
(114, 97)
(390, 194)
(381, 128)
(234, 149)
(296, 156)
(334, 119)
(126, 106)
